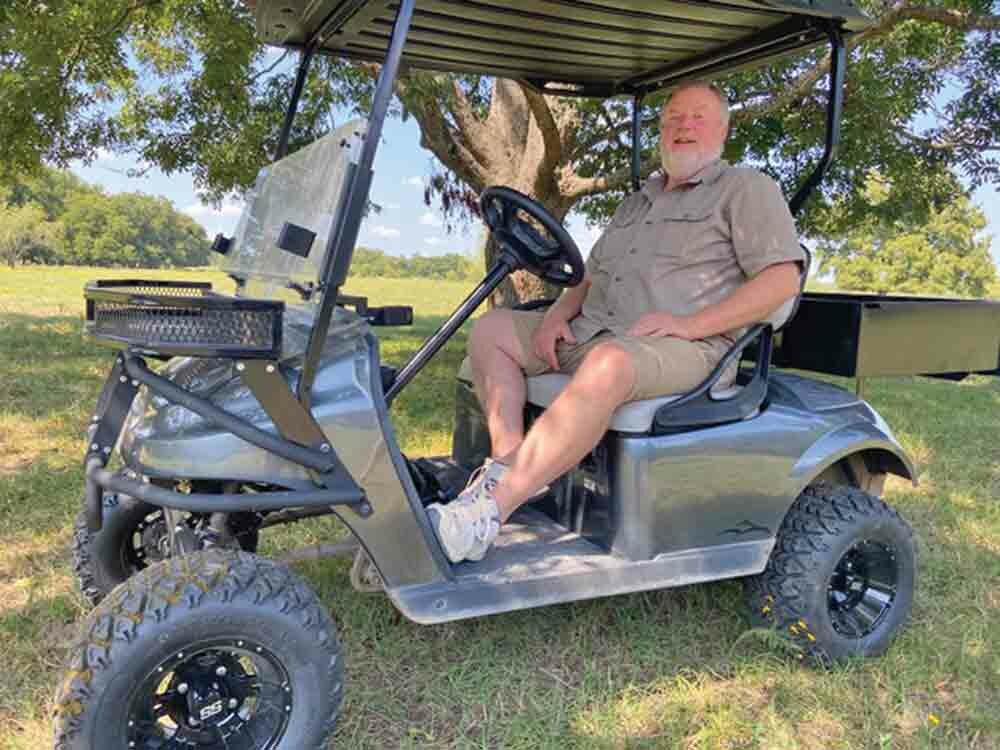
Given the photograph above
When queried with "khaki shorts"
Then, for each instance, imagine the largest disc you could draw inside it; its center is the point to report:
(664, 365)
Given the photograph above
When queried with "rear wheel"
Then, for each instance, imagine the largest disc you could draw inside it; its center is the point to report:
(840, 579)
(132, 537)
(214, 650)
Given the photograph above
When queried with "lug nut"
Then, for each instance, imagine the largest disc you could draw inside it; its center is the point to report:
(233, 703)
(182, 688)
(221, 672)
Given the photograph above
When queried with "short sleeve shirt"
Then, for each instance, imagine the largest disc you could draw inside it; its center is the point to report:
(681, 250)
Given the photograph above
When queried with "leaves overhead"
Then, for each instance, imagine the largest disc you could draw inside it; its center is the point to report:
(184, 85)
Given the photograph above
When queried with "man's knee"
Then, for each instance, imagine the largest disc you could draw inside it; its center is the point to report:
(490, 329)
(607, 370)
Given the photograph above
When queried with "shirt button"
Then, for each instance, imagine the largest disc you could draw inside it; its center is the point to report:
(611, 313)
(649, 221)
(618, 278)
(632, 251)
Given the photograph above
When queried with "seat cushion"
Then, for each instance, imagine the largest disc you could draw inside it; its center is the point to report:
(634, 416)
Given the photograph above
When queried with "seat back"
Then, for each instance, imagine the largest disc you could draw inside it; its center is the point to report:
(793, 304)
(305, 190)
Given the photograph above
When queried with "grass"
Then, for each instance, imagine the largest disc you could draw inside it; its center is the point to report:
(671, 669)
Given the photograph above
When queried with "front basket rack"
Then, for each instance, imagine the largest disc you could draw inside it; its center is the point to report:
(182, 318)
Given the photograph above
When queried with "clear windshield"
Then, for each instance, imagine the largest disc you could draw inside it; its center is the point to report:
(304, 188)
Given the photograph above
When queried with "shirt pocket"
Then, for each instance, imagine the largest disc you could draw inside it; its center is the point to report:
(673, 239)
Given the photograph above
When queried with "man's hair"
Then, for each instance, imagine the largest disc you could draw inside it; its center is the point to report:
(706, 86)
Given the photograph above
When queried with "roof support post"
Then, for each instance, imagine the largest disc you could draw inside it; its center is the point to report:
(636, 140)
(834, 108)
(300, 81)
(344, 234)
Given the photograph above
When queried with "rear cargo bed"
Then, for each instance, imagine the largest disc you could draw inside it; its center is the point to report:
(860, 335)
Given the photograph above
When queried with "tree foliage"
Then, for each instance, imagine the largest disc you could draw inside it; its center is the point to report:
(24, 230)
(56, 218)
(948, 254)
(447, 267)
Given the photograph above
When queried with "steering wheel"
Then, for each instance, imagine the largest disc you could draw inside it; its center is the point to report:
(541, 246)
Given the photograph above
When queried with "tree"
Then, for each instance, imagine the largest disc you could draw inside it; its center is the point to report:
(184, 85)
(131, 229)
(54, 217)
(949, 254)
(24, 230)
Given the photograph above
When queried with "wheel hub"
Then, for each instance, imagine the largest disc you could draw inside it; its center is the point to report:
(225, 694)
(862, 588)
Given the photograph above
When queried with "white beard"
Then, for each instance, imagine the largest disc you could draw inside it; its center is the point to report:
(683, 165)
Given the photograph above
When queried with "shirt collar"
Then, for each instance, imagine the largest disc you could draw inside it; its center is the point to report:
(709, 173)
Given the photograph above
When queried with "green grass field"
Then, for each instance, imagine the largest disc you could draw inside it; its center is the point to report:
(671, 669)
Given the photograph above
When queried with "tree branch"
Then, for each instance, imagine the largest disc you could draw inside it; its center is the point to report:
(575, 187)
(257, 76)
(437, 136)
(547, 125)
(901, 13)
(469, 126)
(956, 19)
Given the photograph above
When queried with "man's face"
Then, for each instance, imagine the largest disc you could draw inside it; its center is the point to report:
(691, 132)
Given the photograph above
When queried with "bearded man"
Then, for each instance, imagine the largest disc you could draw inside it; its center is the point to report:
(688, 262)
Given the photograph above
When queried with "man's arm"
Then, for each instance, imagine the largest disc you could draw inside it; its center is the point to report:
(752, 302)
(570, 302)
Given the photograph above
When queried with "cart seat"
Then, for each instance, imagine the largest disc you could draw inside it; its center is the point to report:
(634, 416)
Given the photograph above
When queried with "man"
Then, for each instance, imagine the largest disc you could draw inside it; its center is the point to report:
(687, 263)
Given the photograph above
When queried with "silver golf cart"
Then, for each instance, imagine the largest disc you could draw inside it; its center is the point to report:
(272, 405)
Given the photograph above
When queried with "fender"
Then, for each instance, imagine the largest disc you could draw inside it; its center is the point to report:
(875, 440)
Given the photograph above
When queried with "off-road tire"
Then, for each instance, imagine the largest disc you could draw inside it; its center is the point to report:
(103, 559)
(794, 594)
(181, 604)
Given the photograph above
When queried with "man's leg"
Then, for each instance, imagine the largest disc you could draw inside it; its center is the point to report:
(498, 361)
(569, 428)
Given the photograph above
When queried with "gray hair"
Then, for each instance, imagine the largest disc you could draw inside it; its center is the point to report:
(706, 86)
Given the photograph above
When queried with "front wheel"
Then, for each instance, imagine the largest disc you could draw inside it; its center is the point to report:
(213, 650)
(841, 576)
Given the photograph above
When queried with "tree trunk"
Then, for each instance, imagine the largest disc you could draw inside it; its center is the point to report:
(518, 143)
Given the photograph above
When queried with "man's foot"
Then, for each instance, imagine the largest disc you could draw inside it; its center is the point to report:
(467, 526)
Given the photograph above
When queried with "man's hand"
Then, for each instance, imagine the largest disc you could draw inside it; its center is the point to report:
(547, 334)
(663, 324)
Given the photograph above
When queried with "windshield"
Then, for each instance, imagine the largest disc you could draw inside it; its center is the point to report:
(304, 189)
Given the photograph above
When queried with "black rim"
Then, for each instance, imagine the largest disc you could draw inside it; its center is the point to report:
(863, 588)
(232, 694)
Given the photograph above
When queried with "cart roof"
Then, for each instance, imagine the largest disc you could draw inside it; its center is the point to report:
(593, 48)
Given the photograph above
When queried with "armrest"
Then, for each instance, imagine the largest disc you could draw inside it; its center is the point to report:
(698, 408)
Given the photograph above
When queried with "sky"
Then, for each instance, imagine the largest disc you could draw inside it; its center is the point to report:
(405, 225)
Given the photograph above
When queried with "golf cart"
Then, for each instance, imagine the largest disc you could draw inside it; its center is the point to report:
(272, 405)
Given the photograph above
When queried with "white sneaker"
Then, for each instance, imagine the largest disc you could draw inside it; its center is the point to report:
(467, 526)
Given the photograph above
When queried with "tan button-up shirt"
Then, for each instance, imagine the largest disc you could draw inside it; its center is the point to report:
(681, 250)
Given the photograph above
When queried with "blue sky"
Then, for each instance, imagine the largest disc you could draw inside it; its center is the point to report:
(405, 225)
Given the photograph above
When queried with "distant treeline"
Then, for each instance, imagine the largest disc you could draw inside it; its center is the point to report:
(452, 266)
(58, 219)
